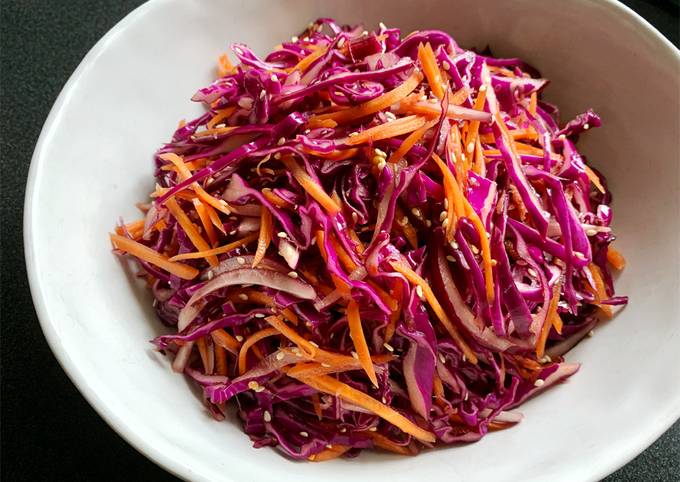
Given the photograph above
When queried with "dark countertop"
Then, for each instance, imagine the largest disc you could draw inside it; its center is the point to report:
(49, 432)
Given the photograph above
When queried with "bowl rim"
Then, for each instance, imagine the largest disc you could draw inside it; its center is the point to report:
(100, 405)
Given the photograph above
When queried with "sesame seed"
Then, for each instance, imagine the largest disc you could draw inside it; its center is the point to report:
(329, 446)
(282, 234)
(355, 216)
(325, 365)
(211, 273)
(545, 359)
(388, 347)
(243, 297)
(373, 429)
(353, 134)
(482, 88)
(380, 152)
(591, 232)
(245, 102)
(419, 292)
(579, 255)
(428, 223)
(304, 434)
(453, 244)
(451, 258)
(384, 400)
(390, 116)
(294, 38)
(277, 155)
(262, 94)
(445, 223)
(355, 355)
(253, 384)
(382, 26)
(446, 65)
(341, 42)
(239, 338)
(343, 430)
(293, 274)
(443, 215)
(259, 315)
(381, 165)
(422, 98)
(280, 356)
(281, 141)
(591, 333)
(267, 416)
(471, 148)
(232, 232)
(307, 131)
(494, 262)
(475, 250)
(259, 389)
(586, 126)
(403, 221)
(274, 78)
(241, 260)
(464, 358)
(313, 241)
(314, 344)
(446, 203)
(539, 383)
(532, 272)
(442, 358)
(220, 126)
(416, 212)
(467, 395)
(433, 100)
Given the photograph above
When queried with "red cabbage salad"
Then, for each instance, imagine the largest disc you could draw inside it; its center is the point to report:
(370, 241)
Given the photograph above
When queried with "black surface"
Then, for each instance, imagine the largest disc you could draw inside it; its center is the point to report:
(49, 432)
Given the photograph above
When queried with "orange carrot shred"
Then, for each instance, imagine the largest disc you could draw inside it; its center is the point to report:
(214, 252)
(190, 229)
(615, 258)
(226, 341)
(304, 64)
(224, 66)
(265, 235)
(135, 228)
(599, 290)
(305, 346)
(533, 101)
(548, 323)
(331, 453)
(594, 178)
(409, 142)
(473, 128)
(356, 332)
(311, 186)
(394, 128)
(151, 256)
(250, 341)
(382, 442)
(205, 221)
(431, 69)
(220, 115)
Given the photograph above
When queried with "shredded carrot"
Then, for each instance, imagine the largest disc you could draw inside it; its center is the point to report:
(548, 323)
(382, 442)
(304, 64)
(415, 279)
(473, 128)
(437, 386)
(331, 453)
(343, 391)
(224, 66)
(431, 69)
(459, 96)
(311, 186)
(214, 218)
(599, 290)
(307, 348)
(344, 258)
(151, 256)
(250, 341)
(191, 165)
(396, 313)
(316, 402)
(319, 244)
(220, 115)
(409, 142)
(135, 228)
(516, 134)
(214, 252)
(333, 155)
(502, 71)
(217, 131)
(265, 236)
(395, 128)
(220, 360)
(205, 221)
(594, 179)
(533, 102)
(372, 106)
(454, 196)
(274, 198)
(190, 229)
(208, 362)
(406, 227)
(486, 249)
(341, 364)
(226, 341)
(356, 332)
(615, 258)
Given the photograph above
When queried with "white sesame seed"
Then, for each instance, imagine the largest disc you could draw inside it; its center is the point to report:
(445, 223)
(294, 38)
(591, 232)
(390, 116)
(325, 365)
(443, 215)
(245, 102)
(373, 429)
(253, 384)
(382, 26)
(304, 434)
(380, 152)
(475, 250)
(277, 155)
(591, 333)
(471, 148)
(419, 292)
(239, 338)
(220, 126)
(403, 221)
(282, 234)
(422, 98)
(280, 356)
(446, 65)
(281, 141)
(243, 297)
(313, 241)
(446, 203)
(267, 416)
(482, 88)
(586, 126)
(259, 389)
(211, 274)
(464, 358)
(467, 395)
(341, 42)
(259, 315)
(433, 100)
(355, 355)
(352, 134)
(428, 223)
(532, 272)
(343, 430)
(293, 274)
(329, 446)
(388, 347)
(538, 383)
(274, 78)
(451, 258)
(314, 344)
(384, 400)
(262, 94)
(545, 359)
(307, 131)
(416, 212)
(232, 232)
(355, 216)
(442, 358)
(579, 255)
(453, 244)
(381, 165)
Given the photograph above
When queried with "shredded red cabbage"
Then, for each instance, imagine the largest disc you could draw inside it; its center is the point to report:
(370, 241)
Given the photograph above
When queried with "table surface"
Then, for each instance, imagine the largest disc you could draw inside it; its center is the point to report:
(49, 431)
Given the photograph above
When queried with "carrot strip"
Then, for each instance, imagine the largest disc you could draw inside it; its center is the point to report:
(431, 69)
(135, 228)
(453, 195)
(382, 442)
(274, 198)
(396, 313)
(533, 101)
(594, 179)
(304, 63)
(395, 128)
(406, 227)
(220, 115)
(208, 364)
(333, 155)
(313, 369)
(214, 252)
(485, 248)
(473, 128)
(548, 323)
(151, 256)
(331, 453)
(372, 106)
(409, 142)
(215, 132)
(220, 360)
(226, 341)
(479, 166)
(343, 391)
(316, 402)
(615, 258)
(517, 134)
(356, 333)
(599, 290)
(345, 259)
(214, 218)
(307, 348)
(250, 341)
(191, 165)
(311, 186)
(265, 236)
(224, 66)
(415, 279)
(190, 229)
(205, 221)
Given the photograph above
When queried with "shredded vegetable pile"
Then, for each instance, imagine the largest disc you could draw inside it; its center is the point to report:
(369, 241)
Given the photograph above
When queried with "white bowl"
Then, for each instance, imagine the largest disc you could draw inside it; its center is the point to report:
(93, 162)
